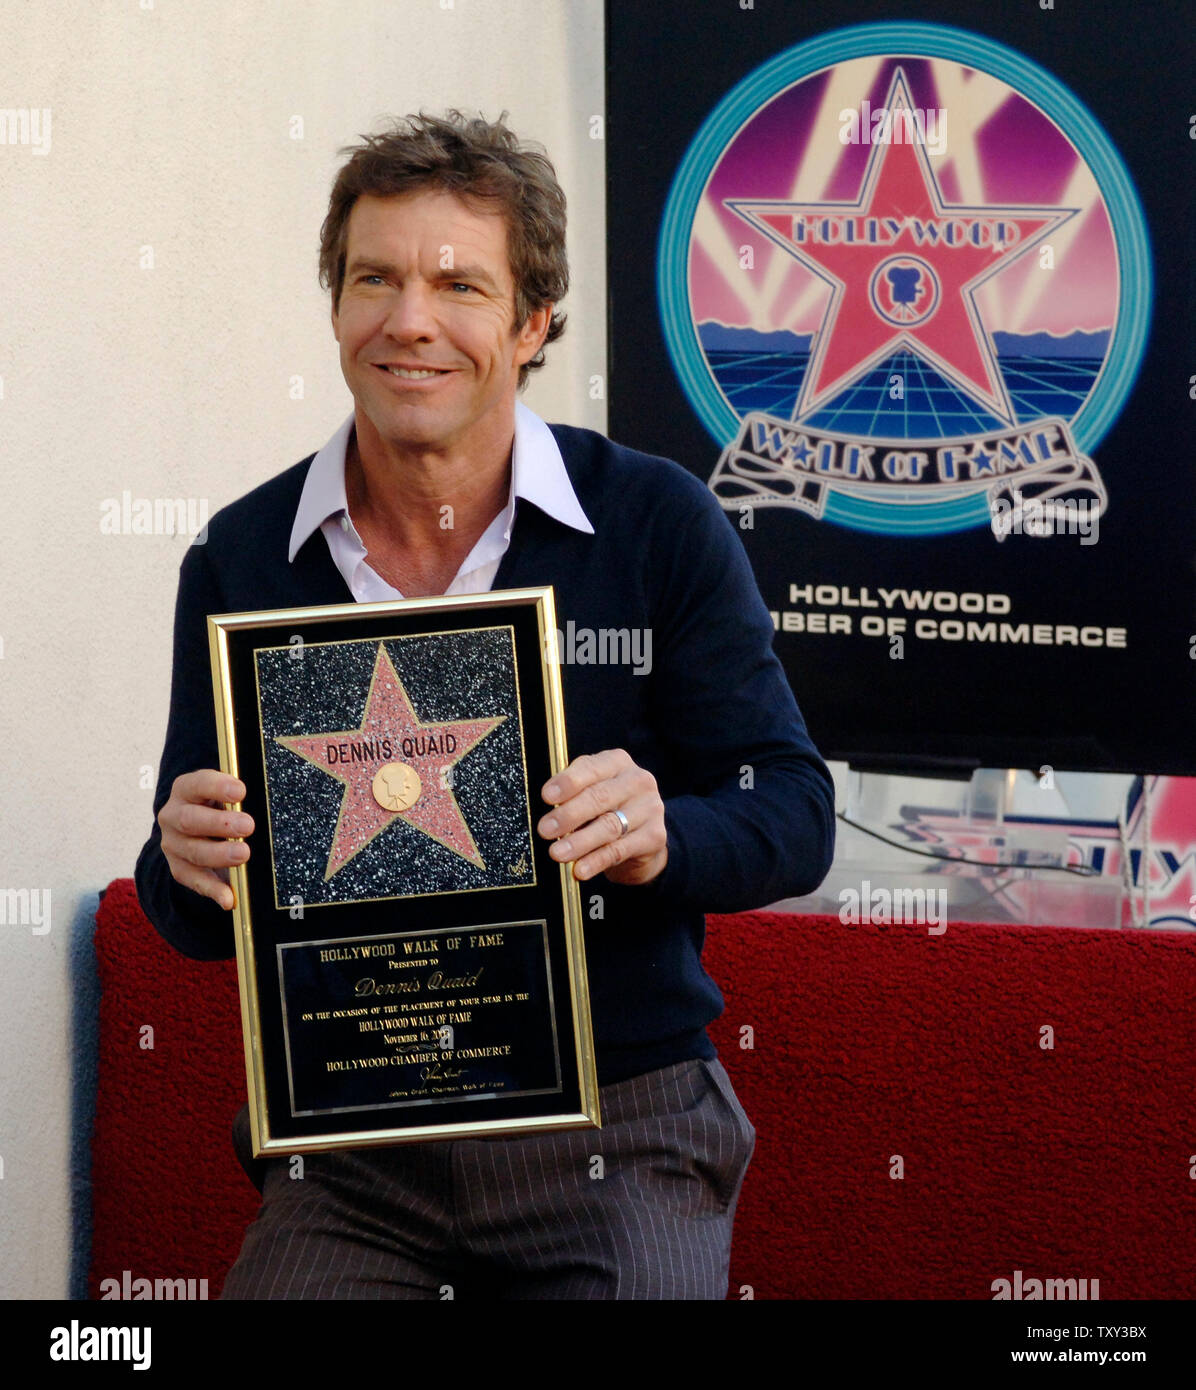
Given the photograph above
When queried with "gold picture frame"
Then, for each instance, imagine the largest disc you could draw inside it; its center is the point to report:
(411, 962)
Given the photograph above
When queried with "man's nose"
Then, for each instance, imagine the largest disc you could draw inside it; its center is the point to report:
(412, 313)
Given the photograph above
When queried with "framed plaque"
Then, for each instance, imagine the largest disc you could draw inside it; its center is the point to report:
(411, 960)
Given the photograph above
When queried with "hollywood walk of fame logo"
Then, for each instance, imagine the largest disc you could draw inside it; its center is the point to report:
(371, 806)
(899, 333)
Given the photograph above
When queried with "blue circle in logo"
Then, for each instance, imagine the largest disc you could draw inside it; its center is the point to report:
(916, 40)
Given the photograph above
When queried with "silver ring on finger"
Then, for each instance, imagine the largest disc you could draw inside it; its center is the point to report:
(624, 822)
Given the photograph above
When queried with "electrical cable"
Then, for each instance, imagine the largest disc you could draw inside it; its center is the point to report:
(1081, 871)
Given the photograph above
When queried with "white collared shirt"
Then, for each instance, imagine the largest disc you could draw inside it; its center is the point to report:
(538, 475)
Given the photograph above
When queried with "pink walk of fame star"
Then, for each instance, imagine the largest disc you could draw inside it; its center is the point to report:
(389, 716)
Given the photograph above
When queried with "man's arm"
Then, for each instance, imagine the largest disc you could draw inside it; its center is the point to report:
(749, 803)
(194, 924)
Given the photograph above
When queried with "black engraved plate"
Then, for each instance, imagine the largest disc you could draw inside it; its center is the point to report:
(414, 1019)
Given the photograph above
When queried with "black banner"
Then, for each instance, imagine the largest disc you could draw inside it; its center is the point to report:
(913, 297)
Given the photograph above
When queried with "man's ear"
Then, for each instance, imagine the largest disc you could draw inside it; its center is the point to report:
(531, 336)
(336, 326)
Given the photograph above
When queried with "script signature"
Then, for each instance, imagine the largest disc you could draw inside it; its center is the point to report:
(436, 1072)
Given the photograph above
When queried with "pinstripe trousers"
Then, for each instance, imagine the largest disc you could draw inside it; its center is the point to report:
(640, 1209)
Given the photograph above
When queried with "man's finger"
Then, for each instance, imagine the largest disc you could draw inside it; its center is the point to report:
(643, 845)
(204, 854)
(209, 822)
(583, 772)
(601, 830)
(596, 800)
(207, 785)
(208, 885)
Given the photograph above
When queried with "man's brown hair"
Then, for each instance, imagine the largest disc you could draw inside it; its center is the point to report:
(483, 163)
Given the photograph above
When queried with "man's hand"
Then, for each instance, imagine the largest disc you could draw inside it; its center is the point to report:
(196, 830)
(585, 796)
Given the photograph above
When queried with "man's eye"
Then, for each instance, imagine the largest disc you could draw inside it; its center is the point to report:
(461, 285)
(371, 279)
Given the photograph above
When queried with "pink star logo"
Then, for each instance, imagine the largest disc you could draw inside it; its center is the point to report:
(903, 268)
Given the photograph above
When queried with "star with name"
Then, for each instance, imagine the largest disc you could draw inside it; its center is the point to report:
(389, 715)
(909, 288)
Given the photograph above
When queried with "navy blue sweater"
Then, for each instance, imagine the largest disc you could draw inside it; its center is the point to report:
(749, 804)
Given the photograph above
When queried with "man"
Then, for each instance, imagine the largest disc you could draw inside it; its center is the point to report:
(696, 787)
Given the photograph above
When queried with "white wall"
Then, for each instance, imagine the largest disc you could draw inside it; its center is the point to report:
(171, 129)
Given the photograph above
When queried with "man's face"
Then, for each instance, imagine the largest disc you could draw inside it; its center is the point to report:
(425, 322)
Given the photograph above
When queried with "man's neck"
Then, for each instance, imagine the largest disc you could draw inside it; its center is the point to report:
(419, 500)
(420, 513)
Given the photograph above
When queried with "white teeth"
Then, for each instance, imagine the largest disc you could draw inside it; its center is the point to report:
(406, 375)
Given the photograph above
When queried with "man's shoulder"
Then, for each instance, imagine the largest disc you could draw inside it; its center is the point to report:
(606, 473)
(264, 513)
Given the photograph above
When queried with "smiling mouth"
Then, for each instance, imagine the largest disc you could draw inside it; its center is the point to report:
(413, 374)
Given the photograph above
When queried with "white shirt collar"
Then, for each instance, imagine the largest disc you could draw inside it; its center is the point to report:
(538, 475)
